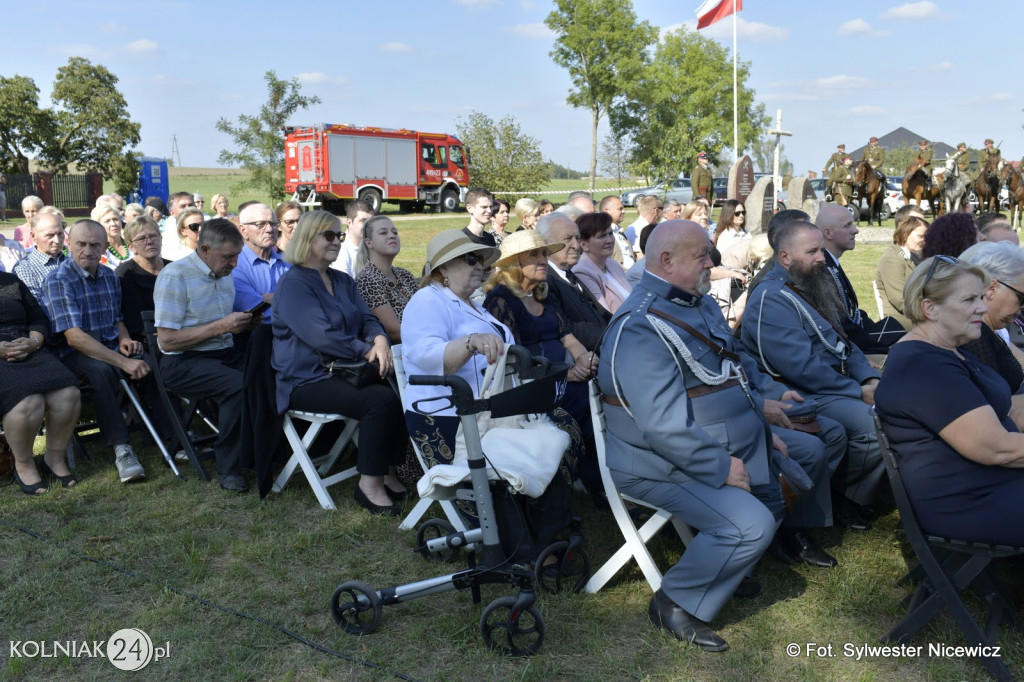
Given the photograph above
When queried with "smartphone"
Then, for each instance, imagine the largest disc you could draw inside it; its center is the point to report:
(259, 308)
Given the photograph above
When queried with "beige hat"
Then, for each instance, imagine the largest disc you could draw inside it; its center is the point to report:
(524, 241)
(448, 245)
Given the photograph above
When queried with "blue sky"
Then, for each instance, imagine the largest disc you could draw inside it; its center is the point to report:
(840, 71)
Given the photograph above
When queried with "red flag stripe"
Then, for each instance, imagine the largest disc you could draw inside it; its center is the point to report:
(714, 10)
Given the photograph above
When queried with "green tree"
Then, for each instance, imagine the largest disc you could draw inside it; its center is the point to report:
(603, 47)
(614, 156)
(259, 138)
(898, 160)
(23, 125)
(90, 122)
(502, 158)
(762, 153)
(682, 104)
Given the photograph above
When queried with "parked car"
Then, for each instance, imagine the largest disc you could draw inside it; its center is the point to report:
(721, 187)
(678, 189)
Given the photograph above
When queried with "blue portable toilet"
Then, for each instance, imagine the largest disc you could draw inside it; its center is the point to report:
(153, 180)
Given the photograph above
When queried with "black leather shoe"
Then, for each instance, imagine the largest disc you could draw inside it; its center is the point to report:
(780, 551)
(748, 589)
(400, 496)
(233, 483)
(808, 551)
(666, 614)
(845, 513)
(377, 509)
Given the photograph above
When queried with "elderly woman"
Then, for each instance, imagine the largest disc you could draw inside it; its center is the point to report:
(138, 275)
(219, 203)
(131, 212)
(445, 332)
(527, 211)
(288, 214)
(320, 318)
(33, 383)
(947, 414)
(117, 251)
(30, 206)
(895, 266)
(950, 235)
(1003, 262)
(597, 270)
(499, 220)
(697, 211)
(186, 230)
(385, 288)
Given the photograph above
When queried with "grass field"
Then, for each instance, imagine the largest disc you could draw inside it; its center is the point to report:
(219, 577)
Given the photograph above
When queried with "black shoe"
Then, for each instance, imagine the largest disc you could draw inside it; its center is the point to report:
(67, 481)
(235, 483)
(865, 512)
(845, 513)
(32, 490)
(748, 589)
(666, 614)
(400, 496)
(365, 503)
(805, 549)
(780, 551)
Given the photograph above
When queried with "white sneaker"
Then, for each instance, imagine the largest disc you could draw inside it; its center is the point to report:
(128, 466)
(180, 456)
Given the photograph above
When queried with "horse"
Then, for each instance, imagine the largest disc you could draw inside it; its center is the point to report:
(987, 185)
(957, 187)
(1015, 184)
(914, 181)
(868, 185)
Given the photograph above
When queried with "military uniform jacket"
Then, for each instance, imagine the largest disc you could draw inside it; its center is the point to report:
(701, 177)
(842, 178)
(875, 156)
(984, 154)
(834, 161)
(963, 161)
(671, 436)
(926, 156)
(792, 345)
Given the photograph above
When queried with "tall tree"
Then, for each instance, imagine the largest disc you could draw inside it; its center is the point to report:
(91, 125)
(682, 104)
(259, 138)
(762, 152)
(614, 156)
(502, 157)
(603, 47)
(23, 125)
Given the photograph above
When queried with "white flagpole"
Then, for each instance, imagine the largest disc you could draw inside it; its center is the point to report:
(735, 95)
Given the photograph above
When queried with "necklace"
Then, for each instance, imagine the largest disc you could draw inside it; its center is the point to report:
(120, 256)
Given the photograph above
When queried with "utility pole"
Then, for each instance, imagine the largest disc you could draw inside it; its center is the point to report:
(176, 157)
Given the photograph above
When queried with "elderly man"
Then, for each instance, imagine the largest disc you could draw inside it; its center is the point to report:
(581, 199)
(793, 326)
(83, 300)
(48, 234)
(194, 324)
(260, 266)
(356, 214)
(685, 431)
(612, 205)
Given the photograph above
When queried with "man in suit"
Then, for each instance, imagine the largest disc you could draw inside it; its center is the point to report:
(792, 325)
(585, 315)
(700, 449)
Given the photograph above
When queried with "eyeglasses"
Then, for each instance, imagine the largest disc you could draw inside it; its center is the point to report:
(194, 227)
(473, 259)
(1020, 294)
(739, 213)
(931, 269)
(331, 235)
(147, 238)
(290, 223)
(263, 224)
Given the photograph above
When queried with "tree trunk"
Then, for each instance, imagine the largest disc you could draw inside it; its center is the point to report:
(596, 114)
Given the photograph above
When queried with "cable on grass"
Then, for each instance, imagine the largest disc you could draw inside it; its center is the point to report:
(204, 602)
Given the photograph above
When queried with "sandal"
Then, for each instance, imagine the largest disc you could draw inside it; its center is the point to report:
(34, 489)
(66, 481)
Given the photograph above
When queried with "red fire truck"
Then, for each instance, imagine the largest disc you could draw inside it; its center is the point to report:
(329, 164)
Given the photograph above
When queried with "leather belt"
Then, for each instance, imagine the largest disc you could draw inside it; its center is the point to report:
(706, 389)
(842, 368)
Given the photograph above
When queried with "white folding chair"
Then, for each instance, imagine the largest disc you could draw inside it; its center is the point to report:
(315, 470)
(417, 513)
(635, 545)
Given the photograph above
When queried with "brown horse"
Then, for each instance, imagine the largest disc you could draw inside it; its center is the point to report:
(868, 185)
(987, 185)
(1014, 182)
(914, 181)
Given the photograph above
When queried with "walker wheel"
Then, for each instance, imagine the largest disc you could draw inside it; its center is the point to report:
(356, 607)
(512, 633)
(568, 573)
(432, 530)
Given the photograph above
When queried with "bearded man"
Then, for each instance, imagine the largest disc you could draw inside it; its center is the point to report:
(793, 326)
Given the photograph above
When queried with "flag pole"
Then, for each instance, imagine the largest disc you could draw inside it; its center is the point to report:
(735, 96)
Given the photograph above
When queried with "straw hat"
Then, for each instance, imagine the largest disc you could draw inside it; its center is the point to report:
(523, 241)
(448, 245)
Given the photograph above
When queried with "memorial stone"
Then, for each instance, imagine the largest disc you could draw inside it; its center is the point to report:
(741, 180)
(760, 205)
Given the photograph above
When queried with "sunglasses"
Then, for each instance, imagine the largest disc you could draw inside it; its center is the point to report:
(194, 227)
(739, 213)
(473, 259)
(1020, 294)
(931, 269)
(331, 235)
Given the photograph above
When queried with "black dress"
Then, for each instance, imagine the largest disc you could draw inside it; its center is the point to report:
(136, 295)
(40, 372)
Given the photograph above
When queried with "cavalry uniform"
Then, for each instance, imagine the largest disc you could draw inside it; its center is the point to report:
(924, 155)
(985, 153)
(793, 342)
(702, 183)
(875, 156)
(834, 161)
(841, 180)
(681, 399)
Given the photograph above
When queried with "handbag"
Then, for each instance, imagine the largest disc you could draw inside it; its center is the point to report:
(359, 374)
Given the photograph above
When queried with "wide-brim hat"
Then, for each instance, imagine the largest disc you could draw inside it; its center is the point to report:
(524, 241)
(450, 244)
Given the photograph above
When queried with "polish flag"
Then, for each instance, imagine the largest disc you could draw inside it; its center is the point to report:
(712, 10)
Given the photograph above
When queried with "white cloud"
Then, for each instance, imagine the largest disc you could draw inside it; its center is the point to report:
(746, 32)
(80, 50)
(320, 78)
(855, 27)
(538, 30)
(396, 47)
(867, 110)
(1001, 97)
(842, 82)
(773, 97)
(943, 66)
(912, 11)
(142, 46)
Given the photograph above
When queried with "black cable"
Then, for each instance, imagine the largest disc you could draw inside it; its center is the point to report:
(182, 593)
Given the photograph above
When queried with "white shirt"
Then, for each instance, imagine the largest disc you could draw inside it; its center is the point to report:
(347, 258)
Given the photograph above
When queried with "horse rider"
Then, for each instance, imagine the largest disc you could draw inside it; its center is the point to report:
(963, 158)
(924, 156)
(986, 153)
(834, 161)
(701, 180)
(841, 179)
(875, 156)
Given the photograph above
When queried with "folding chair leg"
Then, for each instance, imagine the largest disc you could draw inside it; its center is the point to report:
(414, 516)
(133, 397)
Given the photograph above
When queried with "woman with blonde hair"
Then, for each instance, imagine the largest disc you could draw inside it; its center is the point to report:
(385, 288)
(187, 227)
(219, 202)
(117, 251)
(527, 211)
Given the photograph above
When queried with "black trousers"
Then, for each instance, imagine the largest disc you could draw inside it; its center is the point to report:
(105, 382)
(382, 433)
(216, 375)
